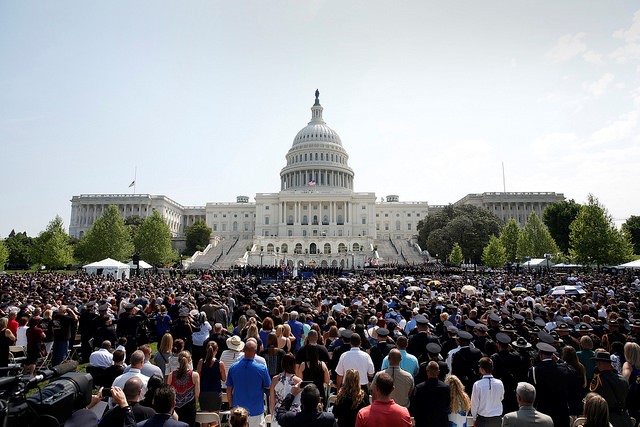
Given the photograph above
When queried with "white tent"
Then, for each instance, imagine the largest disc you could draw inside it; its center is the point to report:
(632, 264)
(143, 265)
(108, 266)
(538, 263)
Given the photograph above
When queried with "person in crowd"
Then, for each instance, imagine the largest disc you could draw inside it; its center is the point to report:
(465, 361)
(409, 362)
(152, 386)
(551, 380)
(233, 353)
(402, 380)
(578, 384)
(252, 332)
(526, 415)
(312, 368)
(148, 368)
(486, 397)
(200, 337)
(239, 417)
(350, 399)
(178, 347)
(133, 393)
(357, 359)
(212, 375)
(310, 413)
(128, 326)
(631, 372)
(281, 385)
(246, 382)
(46, 324)
(585, 355)
(460, 402)
(137, 362)
(162, 356)
(102, 358)
(431, 400)
(163, 323)
(613, 387)
(296, 329)
(266, 330)
(21, 334)
(383, 411)
(164, 403)
(64, 320)
(35, 346)
(7, 339)
(273, 355)
(596, 412)
(187, 385)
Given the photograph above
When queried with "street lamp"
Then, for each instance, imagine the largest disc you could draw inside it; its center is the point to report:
(548, 257)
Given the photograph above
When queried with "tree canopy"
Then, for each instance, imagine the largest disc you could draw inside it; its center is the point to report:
(52, 247)
(108, 237)
(198, 235)
(153, 240)
(535, 240)
(632, 228)
(19, 246)
(4, 254)
(558, 216)
(509, 239)
(494, 255)
(594, 238)
(456, 257)
(469, 226)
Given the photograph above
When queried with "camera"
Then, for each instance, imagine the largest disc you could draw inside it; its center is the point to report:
(106, 392)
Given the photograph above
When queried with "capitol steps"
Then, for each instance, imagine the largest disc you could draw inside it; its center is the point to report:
(231, 254)
(398, 251)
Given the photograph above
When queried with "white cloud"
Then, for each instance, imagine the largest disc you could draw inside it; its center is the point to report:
(567, 47)
(599, 87)
(593, 57)
(626, 53)
(632, 34)
(615, 131)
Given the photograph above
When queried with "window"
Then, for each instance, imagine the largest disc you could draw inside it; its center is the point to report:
(386, 215)
(266, 208)
(215, 215)
(224, 227)
(266, 220)
(305, 220)
(409, 214)
(290, 233)
(364, 207)
(235, 225)
(409, 226)
(215, 227)
(224, 215)
(246, 226)
(397, 225)
(342, 248)
(270, 248)
(290, 220)
(364, 220)
(284, 248)
(386, 226)
(356, 247)
(304, 233)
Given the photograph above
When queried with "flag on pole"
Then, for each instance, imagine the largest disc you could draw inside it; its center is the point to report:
(311, 183)
(132, 183)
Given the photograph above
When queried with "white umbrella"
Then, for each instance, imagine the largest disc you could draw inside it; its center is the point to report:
(414, 289)
(455, 277)
(469, 290)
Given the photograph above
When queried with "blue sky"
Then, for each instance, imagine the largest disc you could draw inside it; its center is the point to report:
(205, 97)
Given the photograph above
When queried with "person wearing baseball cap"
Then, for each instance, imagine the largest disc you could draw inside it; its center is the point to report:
(551, 380)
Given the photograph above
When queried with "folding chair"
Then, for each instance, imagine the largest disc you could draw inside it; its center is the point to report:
(17, 354)
(207, 418)
(267, 420)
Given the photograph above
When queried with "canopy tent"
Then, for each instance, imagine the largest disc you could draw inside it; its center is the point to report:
(567, 290)
(632, 264)
(538, 263)
(143, 265)
(106, 267)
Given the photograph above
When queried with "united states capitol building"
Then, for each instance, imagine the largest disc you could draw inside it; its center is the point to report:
(316, 219)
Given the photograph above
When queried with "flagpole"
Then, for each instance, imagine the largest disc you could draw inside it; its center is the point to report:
(135, 178)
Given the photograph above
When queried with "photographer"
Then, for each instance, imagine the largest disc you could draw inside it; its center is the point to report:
(133, 393)
(88, 418)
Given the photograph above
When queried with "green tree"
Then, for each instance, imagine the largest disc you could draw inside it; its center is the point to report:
(108, 237)
(153, 240)
(509, 239)
(632, 228)
(469, 226)
(52, 247)
(4, 254)
(535, 239)
(456, 257)
(595, 239)
(558, 216)
(198, 235)
(19, 246)
(133, 223)
(494, 254)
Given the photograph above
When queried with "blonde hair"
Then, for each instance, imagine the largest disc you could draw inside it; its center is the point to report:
(166, 344)
(183, 363)
(4, 322)
(632, 354)
(279, 331)
(351, 388)
(286, 330)
(252, 332)
(460, 401)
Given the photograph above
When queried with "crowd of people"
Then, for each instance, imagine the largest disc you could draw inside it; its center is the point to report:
(348, 350)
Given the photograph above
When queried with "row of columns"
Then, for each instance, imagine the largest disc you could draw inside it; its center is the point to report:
(297, 212)
(320, 176)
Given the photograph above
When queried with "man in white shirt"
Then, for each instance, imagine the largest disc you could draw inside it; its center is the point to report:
(103, 358)
(486, 397)
(137, 361)
(355, 359)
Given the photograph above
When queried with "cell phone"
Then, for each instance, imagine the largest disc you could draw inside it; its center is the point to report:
(106, 392)
(303, 384)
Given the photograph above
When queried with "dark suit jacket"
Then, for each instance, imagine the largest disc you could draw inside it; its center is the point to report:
(430, 404)
(551, 380)
(306, 418)
(162, 420)
(526, 416)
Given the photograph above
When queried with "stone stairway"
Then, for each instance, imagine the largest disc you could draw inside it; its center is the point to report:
(231, 254)
(410, 252)
(400, 251)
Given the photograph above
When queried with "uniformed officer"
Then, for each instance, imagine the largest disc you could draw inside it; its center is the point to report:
(483, 341)
(382, 348)
(464, 363)
(505, 365)
(564, 333)
(418, 342)
(87, 329)
(127, 326)
(433, 350)
(608, 383)
(614, 333)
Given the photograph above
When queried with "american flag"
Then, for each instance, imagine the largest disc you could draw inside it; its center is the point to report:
(311, 183)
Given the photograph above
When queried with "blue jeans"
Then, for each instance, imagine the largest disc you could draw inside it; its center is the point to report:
(59, 350)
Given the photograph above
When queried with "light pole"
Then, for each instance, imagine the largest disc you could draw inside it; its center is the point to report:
(548, 257)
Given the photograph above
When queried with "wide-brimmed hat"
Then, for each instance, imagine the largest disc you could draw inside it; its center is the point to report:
(602, 356)
(235, 343)
(521, 343)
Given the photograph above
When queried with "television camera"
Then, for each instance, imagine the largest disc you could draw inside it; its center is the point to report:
(50, 405)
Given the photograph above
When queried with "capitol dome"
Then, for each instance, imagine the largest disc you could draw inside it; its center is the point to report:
(317, 158)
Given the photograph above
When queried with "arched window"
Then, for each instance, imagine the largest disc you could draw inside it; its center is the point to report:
(325, 220)
(305, 220)
(284, 248)
(340, 221)
(327, 248)
(315, 220)
(397, 225)
(313, 248)
(324, 263)
(298, 248)
(316, 156)
(290, 220)
(356, 247)
(235, 225)
(270, 248)
(342, 248)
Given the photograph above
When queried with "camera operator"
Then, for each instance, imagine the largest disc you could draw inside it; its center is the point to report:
(88, 418)
(133, 393)
(64, 321)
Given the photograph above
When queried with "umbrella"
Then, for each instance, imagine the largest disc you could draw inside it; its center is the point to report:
(469, 290)
(342, 280)
(567, 290)
(434, 282)
(414, 289)
(519, 288)
(408, 279)
(455, 277)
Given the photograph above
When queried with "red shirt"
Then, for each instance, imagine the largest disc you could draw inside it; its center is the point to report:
(13, 326)
(383, 414)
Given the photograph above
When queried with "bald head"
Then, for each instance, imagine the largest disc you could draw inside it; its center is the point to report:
(250, 348)
(395, 357)
(133, 389)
